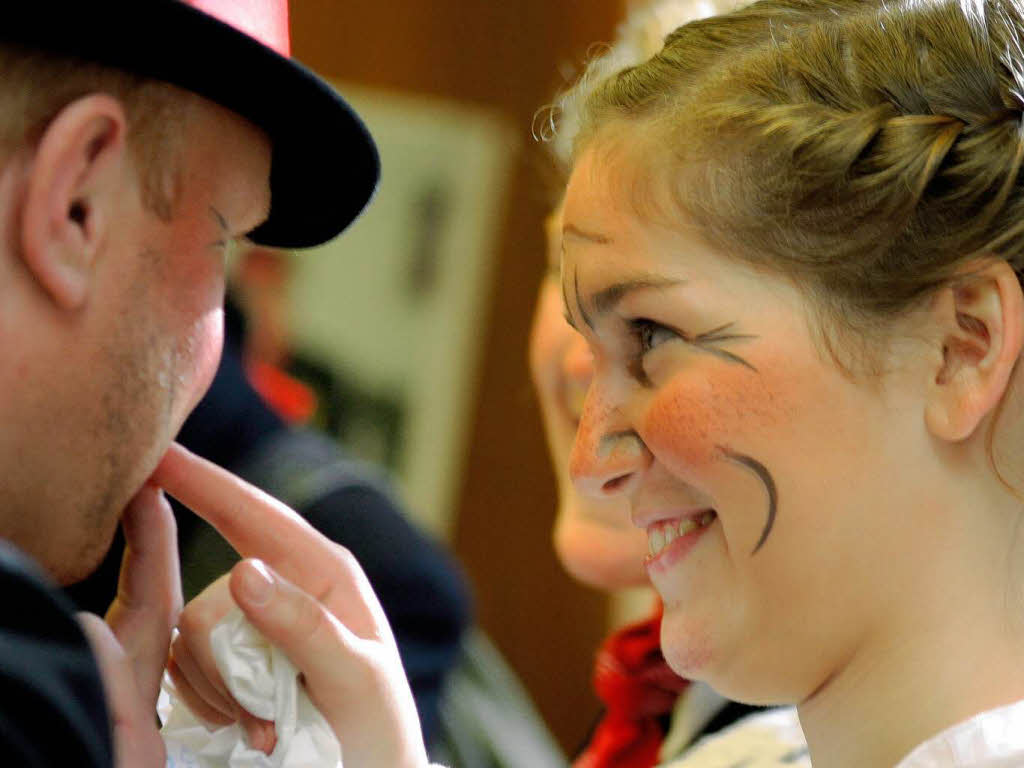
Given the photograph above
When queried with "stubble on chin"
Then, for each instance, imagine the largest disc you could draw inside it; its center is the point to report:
(93, 527)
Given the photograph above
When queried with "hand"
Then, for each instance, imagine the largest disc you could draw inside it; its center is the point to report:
(308, 597)
(131, 645)
(195, 675)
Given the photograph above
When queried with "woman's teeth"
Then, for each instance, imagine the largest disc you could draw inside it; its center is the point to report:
(663, 534)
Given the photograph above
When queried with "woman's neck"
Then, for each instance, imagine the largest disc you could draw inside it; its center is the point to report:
(951, 647)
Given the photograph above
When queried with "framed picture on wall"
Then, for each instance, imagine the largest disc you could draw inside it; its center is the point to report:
(395, 309)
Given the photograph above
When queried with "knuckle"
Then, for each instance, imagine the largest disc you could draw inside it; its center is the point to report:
(309, 619)
(343, 553)
(197, 619)
(192, 623)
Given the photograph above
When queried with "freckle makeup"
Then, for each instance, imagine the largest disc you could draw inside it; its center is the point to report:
(696, 425)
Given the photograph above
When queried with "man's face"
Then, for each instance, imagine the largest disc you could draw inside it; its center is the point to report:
(155, 329)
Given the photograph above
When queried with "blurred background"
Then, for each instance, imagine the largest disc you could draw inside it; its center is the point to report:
(406, 338)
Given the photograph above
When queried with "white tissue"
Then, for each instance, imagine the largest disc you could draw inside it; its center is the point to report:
(265, 683)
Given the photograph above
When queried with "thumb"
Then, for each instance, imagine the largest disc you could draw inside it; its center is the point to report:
(136, 739)
(148, 598)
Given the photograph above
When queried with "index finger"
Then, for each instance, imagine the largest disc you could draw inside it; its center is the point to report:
(253, 522)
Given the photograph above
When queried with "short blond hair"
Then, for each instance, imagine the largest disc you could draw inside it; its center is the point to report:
(36, 85)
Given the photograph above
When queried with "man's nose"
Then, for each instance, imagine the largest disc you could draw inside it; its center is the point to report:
(608, 457)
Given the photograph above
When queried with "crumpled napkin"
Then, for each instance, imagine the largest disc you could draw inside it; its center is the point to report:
(265, 683)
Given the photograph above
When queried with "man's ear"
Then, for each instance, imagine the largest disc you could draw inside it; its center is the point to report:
(981, 329)
(71, 190)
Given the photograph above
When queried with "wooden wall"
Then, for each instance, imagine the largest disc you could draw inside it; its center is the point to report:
(505, 55)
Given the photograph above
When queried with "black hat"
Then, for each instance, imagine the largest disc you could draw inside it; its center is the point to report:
(234, 52)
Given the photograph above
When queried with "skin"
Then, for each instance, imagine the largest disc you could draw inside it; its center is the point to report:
(837, 496)
(111, 318)
(309, 597)
(125, 306)
(879, 595)
(880, 600)
(594, 539)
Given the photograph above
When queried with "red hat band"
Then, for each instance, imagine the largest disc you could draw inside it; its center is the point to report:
(264, 20)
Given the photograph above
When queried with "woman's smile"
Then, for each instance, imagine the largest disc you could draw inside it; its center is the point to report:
(670, 540)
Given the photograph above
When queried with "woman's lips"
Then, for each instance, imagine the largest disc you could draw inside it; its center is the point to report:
(671, 539)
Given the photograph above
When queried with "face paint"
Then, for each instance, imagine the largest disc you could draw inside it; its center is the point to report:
(764, 475)
(715, 366)
(595, 540)
(712, 340)
(579, 301)
(699, 424)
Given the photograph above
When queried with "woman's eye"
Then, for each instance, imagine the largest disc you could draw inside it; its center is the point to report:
(650, 334)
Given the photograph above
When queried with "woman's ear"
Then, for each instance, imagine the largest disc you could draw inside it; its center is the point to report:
(71, 191)
(981, 329)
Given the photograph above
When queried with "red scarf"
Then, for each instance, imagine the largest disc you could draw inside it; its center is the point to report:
(637, 687)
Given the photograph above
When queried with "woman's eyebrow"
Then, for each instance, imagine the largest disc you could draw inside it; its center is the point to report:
(605, 300)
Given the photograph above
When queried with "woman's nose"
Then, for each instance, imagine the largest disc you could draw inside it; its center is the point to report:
(608, 457)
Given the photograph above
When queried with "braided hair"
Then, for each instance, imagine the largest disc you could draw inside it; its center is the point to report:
(869, 151)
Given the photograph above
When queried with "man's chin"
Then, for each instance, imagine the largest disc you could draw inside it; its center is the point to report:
(89, 558)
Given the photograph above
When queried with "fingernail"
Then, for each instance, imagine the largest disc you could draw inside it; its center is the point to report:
(257, 583)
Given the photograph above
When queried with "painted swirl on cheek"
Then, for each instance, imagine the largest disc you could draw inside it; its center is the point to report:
(695, 415)
(765, 476)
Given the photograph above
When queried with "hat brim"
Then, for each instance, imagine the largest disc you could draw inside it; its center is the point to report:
(324, 167)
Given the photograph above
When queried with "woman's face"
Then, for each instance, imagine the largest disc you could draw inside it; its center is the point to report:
(594, 538)
(771, 486)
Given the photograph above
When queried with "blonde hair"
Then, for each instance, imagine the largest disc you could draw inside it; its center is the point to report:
(36, 85)
(640, 36)
(866, 150)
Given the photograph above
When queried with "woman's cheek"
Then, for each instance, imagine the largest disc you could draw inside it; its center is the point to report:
(697, 414)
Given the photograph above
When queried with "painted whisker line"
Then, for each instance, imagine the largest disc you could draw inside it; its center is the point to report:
(707, 338)
(765, 476)
(568, 308)
(729, 356)
(717, 336)
(579, 302)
